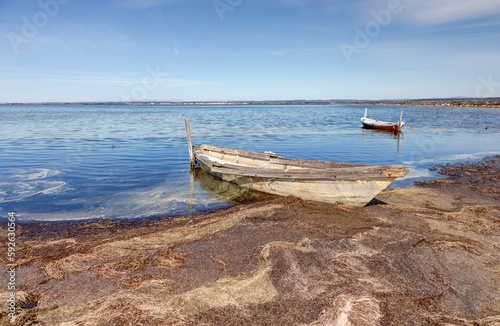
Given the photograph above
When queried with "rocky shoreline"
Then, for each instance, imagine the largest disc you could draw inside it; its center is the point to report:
(426, 255)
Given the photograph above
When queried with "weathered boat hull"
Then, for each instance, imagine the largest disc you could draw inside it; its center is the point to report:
(348, 192)
(330, 182)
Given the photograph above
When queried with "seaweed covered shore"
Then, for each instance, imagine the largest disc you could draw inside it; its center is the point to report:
(426, 255)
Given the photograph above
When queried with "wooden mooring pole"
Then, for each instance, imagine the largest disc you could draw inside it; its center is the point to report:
(192, 159)
(400, 121)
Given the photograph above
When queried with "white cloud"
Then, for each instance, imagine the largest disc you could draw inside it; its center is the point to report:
(281, 52)
(304, 52)
(328, 6)
(140, 4)
(420, 12)
(96, 80)
(432, 12)
(315, 2)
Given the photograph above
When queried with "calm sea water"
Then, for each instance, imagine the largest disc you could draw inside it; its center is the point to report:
(128, 162)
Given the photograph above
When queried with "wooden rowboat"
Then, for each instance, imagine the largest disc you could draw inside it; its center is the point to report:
(343, 183)
(349, 184)
(382, 125)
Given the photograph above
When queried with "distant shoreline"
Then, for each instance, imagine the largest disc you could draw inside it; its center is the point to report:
(446, 102)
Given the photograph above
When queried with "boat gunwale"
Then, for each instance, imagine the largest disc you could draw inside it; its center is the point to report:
(273, 158)
(378, 122)
(359, 171)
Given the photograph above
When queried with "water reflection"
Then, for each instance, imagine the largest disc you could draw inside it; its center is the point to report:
(389, 133)
(225, 191)
(394, 134)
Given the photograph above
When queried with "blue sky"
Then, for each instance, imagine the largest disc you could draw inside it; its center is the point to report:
(204, 50)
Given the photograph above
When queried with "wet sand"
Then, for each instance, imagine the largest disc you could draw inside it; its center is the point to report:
(426, 255)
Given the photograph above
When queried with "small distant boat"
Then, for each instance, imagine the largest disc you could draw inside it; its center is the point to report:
(383, 125)
(341, 183)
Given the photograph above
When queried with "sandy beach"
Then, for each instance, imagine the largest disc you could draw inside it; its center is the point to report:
(425, 255)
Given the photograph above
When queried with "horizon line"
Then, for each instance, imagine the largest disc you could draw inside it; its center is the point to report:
(226, 102)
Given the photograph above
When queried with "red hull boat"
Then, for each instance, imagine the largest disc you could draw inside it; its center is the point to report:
(382, 125)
